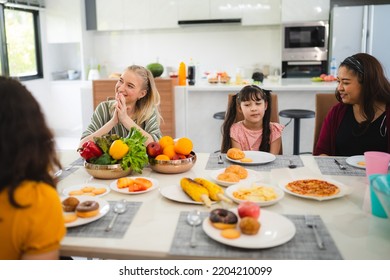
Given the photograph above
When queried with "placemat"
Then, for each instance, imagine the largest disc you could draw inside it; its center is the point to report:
(327, 166)
(302, 246)
(67, 172)
(97, 228)
(281, 161)
(78, 162)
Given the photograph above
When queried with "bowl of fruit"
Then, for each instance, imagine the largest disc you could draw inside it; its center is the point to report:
(171, 156)
(112, 157)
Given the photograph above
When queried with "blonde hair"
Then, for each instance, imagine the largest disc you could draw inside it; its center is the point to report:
(145, 106)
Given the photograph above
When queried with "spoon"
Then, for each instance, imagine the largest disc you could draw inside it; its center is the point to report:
(194, 220)
(291, 164)
(119, 208)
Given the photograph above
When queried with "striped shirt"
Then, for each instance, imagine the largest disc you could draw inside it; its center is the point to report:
(103, 113)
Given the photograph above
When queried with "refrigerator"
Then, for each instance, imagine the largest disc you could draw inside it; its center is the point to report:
(355, 29)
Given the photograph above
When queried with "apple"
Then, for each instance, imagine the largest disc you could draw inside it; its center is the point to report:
(322, 76)
(154, 149)
(248, 209)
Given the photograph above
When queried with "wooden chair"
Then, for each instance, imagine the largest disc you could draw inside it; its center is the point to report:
(324, 102)
(274, 111)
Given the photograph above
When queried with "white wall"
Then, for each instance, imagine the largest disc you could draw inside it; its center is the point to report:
(214, 48)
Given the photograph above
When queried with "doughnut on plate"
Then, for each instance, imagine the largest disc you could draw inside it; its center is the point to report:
(257, 158)
(275, 230)
(104, 207)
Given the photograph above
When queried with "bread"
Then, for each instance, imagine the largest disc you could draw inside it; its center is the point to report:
(249, 225)
(235, 153)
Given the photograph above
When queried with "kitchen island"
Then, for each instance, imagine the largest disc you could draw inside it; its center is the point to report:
(196, 105)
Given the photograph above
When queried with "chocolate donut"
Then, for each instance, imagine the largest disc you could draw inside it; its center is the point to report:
(222, 218)
(88, 208)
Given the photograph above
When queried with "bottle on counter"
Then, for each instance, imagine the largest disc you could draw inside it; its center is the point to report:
(182, 74)
(333, 67)
(191, 73)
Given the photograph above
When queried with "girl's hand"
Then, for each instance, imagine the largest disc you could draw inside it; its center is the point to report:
(121, 108)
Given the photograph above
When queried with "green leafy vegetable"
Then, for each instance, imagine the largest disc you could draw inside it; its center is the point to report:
(104, 159)
(137, 157)
(104, 142)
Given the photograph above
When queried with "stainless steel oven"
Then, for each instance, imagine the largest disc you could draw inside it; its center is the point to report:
(305, 49)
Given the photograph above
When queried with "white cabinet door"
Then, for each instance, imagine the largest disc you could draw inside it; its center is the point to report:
(63, 21)
(305, 10)
(194, 9)
(222, 9)
(135, 14)
(163, 13)
(261, 12)
(109, 15)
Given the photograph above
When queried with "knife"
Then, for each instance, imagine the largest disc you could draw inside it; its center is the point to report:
(342, 167)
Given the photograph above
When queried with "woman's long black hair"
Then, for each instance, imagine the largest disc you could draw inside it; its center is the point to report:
(26, 143)
(247, 93)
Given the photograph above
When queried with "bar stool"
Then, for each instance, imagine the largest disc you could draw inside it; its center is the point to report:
(219, 115)
(297, 115)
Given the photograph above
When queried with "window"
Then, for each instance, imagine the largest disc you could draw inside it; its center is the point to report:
(21, 53)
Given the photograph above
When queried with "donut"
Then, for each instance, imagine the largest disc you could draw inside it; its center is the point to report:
(249, 225)
(229, 177)
(223, 219)
(237, 169)
(70, 204)
(235, 153)
(87, 209)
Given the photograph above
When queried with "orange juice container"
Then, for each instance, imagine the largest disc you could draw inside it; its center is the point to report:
(182, 74)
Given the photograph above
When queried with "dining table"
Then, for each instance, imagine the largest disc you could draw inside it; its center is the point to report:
(155, 227)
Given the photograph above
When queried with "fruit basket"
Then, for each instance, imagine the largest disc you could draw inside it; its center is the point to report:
(173, 166)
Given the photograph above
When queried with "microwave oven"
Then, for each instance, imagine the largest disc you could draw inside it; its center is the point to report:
(305, 41)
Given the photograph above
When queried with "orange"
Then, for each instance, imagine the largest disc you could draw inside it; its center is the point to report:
(183, 146)
(169, 151)
(165, 141)
(162, 157)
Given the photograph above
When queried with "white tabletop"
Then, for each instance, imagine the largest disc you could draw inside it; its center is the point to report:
(357, 235)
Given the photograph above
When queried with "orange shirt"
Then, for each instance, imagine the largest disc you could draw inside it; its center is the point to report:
(36, 229)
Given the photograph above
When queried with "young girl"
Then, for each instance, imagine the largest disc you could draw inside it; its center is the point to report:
(255, 132)
(136, 104)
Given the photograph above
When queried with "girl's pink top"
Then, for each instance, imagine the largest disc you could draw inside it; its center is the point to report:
(250, 140)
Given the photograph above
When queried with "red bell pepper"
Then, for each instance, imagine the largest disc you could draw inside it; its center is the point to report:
(90, 150)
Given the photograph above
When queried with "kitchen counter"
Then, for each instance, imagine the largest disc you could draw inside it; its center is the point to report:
(195, 106)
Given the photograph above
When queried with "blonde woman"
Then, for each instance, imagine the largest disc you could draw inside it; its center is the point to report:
(136, 104)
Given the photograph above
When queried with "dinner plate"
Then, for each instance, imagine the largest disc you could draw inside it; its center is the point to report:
(344, 190)
(176, 193)
(275, 230)
(355, 160)
(258, 157)
(79, 187)
(278, 191)
(126, 191)
(252, 176)
(104, 207)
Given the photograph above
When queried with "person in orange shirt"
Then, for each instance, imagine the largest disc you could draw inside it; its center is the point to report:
(31, 220)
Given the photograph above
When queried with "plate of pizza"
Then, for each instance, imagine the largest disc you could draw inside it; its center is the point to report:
(314, 188)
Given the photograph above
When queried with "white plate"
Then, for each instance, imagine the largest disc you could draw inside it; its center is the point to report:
(353, 161)
(79, 187)
(176, 193)
(252, 176)
(275, 230)
(279, 192)
(258, 157)
(104, 207)
(126, 191)
(344, 190)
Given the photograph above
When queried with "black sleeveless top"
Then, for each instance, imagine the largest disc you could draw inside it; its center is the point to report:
(352, 140)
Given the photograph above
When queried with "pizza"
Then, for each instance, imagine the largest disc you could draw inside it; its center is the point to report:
(313, 187)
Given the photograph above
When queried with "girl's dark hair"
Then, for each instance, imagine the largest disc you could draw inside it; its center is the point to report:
(247, 93)
(374, 84)
(26, 143)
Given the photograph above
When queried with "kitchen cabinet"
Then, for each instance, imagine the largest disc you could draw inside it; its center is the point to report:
(103, 89)
(135, 15)
(63, 21)
(305, 10)
(209, 9)
(261, 12)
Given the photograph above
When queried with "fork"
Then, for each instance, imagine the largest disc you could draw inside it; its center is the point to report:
(309, 220)
(342, 167)
(220, 161)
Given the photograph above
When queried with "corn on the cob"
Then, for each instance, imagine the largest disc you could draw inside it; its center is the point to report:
(195, 191)
(216, 193)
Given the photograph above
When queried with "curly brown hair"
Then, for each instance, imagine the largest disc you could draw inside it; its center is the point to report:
(27, 147)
